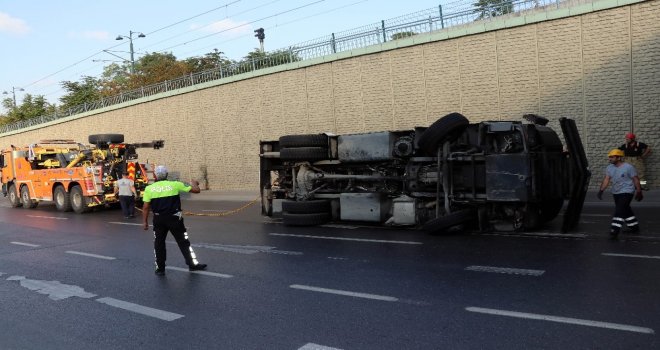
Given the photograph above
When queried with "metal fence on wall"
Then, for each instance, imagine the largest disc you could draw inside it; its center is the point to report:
(434, 19)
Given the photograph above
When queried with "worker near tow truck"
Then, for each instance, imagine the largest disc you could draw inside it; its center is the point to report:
(625, 185)
(163, 198)
(125, 192)
(636, 152)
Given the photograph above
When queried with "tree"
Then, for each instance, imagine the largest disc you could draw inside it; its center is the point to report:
(212, 60)
(157, 67)
(79, 93)
(492, 8)
(402, 35)
(30, 107)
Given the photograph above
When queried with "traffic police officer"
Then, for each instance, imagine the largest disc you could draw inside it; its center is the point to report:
(163, 198)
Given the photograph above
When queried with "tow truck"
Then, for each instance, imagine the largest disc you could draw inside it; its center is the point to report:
(77, 177)
(491, 175)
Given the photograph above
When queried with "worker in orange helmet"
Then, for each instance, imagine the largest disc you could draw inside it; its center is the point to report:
(636, 152)
(625, 185)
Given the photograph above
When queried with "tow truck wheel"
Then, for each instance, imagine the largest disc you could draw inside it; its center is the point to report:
(14, 199)
(28, 203)
(62, 199)
(78, 202)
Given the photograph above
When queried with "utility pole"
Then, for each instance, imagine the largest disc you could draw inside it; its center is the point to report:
(130, 39)
(13, 93)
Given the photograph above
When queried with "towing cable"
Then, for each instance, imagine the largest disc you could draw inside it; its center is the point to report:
(224, 213)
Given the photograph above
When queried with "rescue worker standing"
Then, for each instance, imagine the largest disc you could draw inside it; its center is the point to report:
(635, 153)
(125, 190)
(163, 198)
(625, 185)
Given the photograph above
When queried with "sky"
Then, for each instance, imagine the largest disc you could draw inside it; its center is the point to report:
(45, 42)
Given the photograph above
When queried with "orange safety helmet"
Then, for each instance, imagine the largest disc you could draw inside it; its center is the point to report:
(615, 153)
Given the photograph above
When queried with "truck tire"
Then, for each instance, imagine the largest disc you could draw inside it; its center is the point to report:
(105, 138)
(78, 201)
(62, 199)
(14, 198)
(449, 126)
(311, 219)
(550, 209)
(28, 203)
(306, 207)
(304, 153)
(438, 225)
(314, 140)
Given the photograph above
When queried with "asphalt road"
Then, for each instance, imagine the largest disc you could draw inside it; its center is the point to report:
(71, 281)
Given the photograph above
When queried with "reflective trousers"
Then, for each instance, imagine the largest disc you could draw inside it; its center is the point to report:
(171, 223)
(623, 213)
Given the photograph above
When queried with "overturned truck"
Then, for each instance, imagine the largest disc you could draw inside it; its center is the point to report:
(493, 175)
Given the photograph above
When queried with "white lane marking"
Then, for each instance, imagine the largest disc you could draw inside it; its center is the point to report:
(577, 321)
(506, 270)
(344, 292)
(337, 258)
(633, 256)
(346, 239)
(207, 273)
(90, 255)
(242, 249)
(553, 234)
(348, 227)
(54, 289)
(144, 310)
(312, 346)
(26, 244)
(124, 223)
(47, 217)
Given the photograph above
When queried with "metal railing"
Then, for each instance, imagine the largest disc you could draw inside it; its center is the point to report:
(430, 20)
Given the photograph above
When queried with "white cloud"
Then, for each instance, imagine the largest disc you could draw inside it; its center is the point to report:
(9, 24)
(228, 27)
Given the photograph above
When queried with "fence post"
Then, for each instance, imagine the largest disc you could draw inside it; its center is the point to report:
(333, 44)
(142, 90)
(220, 69)
(290, 54)
(382, 24)
(442, 21)
(254, 66)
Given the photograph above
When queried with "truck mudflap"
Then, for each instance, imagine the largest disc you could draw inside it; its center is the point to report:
(579, 183)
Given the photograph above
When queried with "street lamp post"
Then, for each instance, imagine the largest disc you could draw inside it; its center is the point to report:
(130, 39)
(13, 93)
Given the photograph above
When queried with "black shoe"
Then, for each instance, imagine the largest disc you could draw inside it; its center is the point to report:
(614, 235)
(160, 271)
(197, 267)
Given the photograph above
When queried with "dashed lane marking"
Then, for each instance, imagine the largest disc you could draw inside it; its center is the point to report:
(577, 321)
(506, 270)
(47, 217)
(26, 244)
(633, 256)
(312, 346)
(206, 273)
(346, 239)
(344, 292)
(140, 309)
(90, 255)
(124, 223)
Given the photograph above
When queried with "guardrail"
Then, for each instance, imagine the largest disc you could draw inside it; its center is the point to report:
(425, 21)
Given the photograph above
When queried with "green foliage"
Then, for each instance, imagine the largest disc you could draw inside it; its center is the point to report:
(30, 107)
(402, 35)
(492, 8)
(86, 91)
(211, 60)
(157, 67)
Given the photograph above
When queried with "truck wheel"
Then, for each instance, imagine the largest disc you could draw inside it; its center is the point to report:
(438, 225)
(315, 140)
(14, 199)
(28, 203)
(310, 219)
(551, 208)
(78, 201)
(62, 199)
(304, 153)
(306, 207)
(449, 126)
(105, 138)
